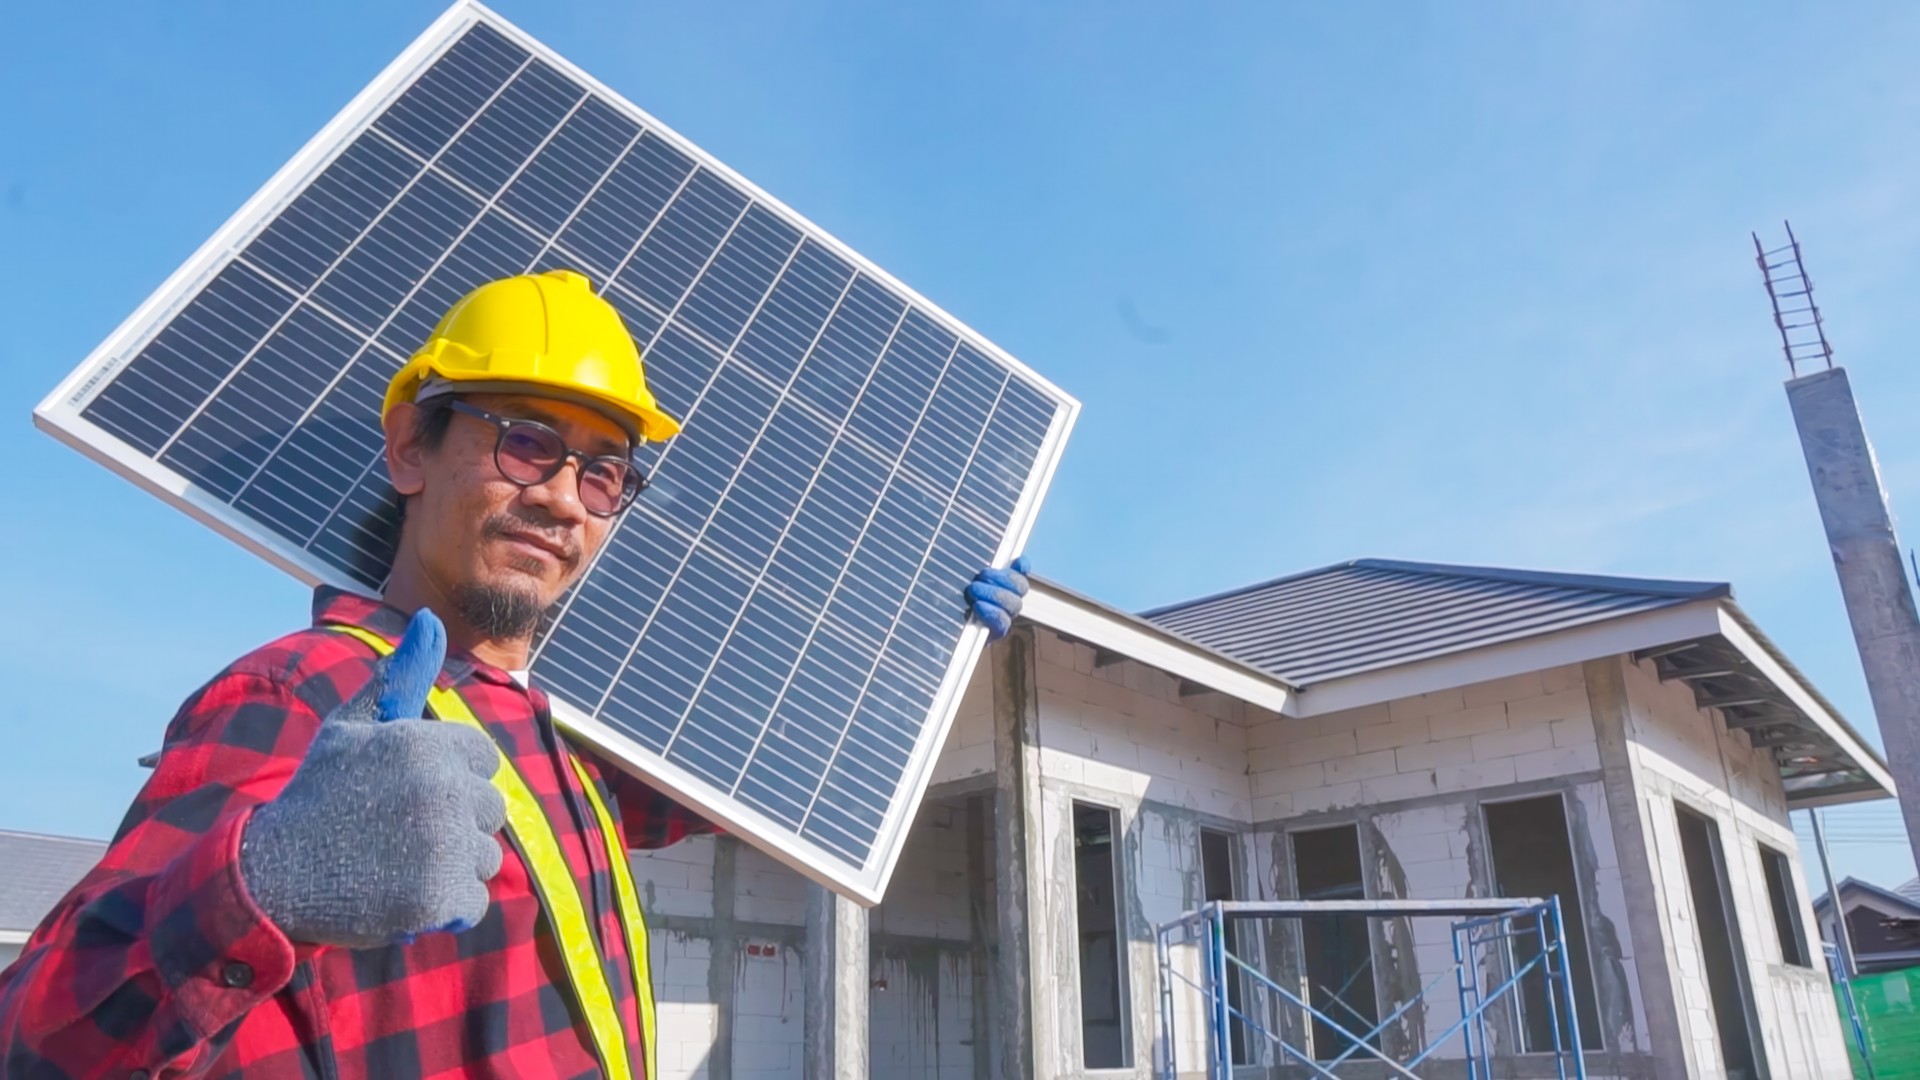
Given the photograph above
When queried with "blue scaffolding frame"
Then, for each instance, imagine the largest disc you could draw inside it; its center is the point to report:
(1849, 1007)
(1477, 924)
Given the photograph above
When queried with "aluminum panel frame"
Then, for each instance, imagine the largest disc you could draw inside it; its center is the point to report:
(59, 414)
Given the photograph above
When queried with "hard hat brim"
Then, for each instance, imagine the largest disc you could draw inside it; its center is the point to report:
(641, 423)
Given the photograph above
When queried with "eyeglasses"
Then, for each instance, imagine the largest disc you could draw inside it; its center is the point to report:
(528, 452)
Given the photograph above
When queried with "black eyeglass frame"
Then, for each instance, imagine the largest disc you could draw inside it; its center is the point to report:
(503, 424)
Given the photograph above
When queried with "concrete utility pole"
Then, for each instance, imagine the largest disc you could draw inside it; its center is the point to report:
(1859, 524)
(1873, 576)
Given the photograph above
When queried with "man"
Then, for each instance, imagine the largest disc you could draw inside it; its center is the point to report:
(316, 880)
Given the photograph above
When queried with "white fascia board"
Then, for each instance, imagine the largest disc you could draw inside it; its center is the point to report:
(1153, 647)
(14, 937)
(1803, 699)
(1577, 645)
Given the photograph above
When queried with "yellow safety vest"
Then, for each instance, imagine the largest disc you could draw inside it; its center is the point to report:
(532, 835)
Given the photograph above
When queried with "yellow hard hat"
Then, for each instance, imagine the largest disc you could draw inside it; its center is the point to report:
(546, 334)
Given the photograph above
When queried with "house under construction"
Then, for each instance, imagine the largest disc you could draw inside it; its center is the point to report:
(1373, 731)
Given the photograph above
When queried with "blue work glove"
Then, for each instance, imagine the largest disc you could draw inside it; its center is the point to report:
(995, 596)
(388, 828)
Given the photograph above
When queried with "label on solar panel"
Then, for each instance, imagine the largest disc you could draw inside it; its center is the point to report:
(775, 634)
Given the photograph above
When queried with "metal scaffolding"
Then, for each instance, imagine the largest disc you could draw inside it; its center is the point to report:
(1862, 1049)
(1497, 945)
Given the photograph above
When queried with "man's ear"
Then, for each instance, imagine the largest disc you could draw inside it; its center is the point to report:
(405, 452)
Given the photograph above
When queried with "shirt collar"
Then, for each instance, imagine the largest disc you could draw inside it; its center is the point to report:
(332, 606)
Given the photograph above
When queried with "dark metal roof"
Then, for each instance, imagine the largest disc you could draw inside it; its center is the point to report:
(1891, 900)
(1373, 613)
(36, 871)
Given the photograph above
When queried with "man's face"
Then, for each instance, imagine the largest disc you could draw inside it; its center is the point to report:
(500, 552)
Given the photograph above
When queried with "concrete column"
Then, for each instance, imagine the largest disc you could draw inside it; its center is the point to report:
(723, 962)
(1647, 925)
(838, 986)
(1024, 1023)
(981, 928)
(1873, 574)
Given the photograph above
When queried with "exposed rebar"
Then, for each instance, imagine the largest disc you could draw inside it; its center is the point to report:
(1787, 283)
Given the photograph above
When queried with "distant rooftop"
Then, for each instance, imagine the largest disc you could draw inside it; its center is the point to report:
(1907, 895)
(36, 871)
(1373, 613)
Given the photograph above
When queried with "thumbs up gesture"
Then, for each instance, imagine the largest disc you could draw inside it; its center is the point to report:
(388, 829)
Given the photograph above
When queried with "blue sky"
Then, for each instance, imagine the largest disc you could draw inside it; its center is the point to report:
(1434, 281)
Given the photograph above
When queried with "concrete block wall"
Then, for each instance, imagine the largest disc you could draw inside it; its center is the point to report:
(729, 967)
(1681, 752)
(921, 1015)
(769, 1009)
(1413, 774)
(1160, 879)
(768, 957)
(1529, 727)
(1121, 736)
(1163, 860)
(676, 890)
(1125, 729)
(687, 1017)
(920, 1019)
(1412, 771)
(968, 751)
(1616, 963)
(1426, 853)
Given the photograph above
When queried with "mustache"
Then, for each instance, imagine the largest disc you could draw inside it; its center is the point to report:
(503, 526)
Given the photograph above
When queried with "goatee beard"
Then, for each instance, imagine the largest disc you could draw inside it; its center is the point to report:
(498, 612)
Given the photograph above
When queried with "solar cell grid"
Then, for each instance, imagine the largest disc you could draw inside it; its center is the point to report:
(775, 630)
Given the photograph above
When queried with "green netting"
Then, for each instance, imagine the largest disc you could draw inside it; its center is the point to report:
(1888, 1006)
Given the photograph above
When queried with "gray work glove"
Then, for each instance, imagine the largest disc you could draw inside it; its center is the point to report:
(387, 829)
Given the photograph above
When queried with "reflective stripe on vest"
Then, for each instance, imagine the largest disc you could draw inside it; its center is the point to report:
(630, 916)
(559, 895)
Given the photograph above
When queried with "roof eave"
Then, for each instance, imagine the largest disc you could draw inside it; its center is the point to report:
(1082, 618)
(1740, 631)
(1761, 639)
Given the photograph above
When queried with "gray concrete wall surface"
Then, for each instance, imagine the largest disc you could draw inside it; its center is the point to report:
(731, 966)
(1414, 776)
(973, 968)
(1684, 755)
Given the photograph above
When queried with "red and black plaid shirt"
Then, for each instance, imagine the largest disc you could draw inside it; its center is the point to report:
(158, 964)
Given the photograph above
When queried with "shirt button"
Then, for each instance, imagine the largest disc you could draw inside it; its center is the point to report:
(237, 975)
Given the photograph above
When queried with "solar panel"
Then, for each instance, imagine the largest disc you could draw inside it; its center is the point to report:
(775, 633)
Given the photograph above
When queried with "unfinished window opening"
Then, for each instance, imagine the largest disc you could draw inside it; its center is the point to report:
(1786, 913)
(1533, 856)
(1720, 950)
(1103, 1018)
(1216, 881)
(1337, 950)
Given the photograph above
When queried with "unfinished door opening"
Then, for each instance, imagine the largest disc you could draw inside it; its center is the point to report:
(1786, 908)
(1103, 958)
(1216, 881)
(1720, 950)
(1532, 854)
(1336, 949)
